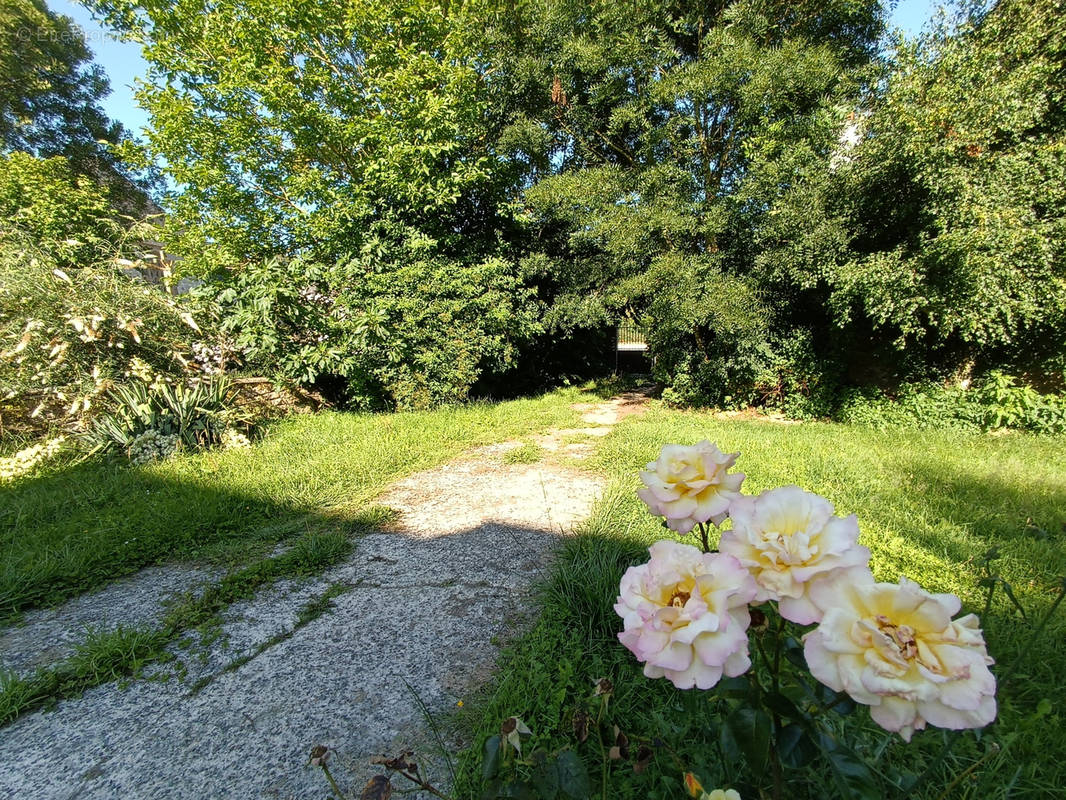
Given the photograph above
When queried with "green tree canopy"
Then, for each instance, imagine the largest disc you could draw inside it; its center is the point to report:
(45, 202)
(943, 229)
(656, 137)
(339, 183)
(774, 198)
(292, 126)
(50, 93)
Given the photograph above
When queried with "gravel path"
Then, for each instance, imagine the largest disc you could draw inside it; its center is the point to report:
(417, 624)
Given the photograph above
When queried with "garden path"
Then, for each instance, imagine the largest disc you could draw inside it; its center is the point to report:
(421, 611)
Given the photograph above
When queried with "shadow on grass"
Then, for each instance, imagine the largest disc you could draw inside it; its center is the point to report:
(74, 530)
(78, 528)
(1024, 518)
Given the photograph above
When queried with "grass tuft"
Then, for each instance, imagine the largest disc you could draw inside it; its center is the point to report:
(527, 453)
(312, 610)
(104, 656)
(120, 653)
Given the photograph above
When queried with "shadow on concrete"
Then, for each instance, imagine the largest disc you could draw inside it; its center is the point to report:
(414, 627)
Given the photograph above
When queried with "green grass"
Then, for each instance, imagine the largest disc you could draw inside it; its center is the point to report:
(77, 528)
(930, 505)
(311, 480)
(102, 657)
(527, 453)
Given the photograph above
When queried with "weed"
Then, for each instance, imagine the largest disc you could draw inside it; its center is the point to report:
(311, 611)
(102, 657)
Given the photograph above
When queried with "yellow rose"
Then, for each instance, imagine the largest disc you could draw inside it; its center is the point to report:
(690, 485)
(896, 649)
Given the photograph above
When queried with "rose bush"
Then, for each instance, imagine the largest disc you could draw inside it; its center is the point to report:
(892, 647)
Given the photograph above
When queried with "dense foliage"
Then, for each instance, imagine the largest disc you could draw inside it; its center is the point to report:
(938, 232)
(406, 203)
(44, 201)
(74, 318)
(657, 137)
(396, 321)
(338, 180)
(785, 213)
(995, 403)
(69, 333)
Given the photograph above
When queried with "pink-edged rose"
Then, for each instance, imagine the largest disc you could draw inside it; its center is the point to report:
(685, 615)
(691, 484)
(896, 649)
(791, 541)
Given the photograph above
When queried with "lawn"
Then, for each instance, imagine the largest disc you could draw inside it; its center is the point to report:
(930, 506)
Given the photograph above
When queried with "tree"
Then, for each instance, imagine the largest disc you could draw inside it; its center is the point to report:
(44, 202)
(50, 95)
(396, 322)
(341, 150)
(291, 126)
(656, 137)
(942, 233)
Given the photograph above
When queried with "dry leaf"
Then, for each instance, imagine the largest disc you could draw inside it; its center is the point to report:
(581, 725)
(513, 729)
(377, 788)
(644, 755)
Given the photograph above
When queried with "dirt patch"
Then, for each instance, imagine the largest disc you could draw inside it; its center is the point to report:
(611, 411)
(755, 415)
(482, 488)
(600, 418)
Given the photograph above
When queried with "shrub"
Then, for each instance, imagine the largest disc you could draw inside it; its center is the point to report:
(73, 321)
(66, 335)
(151, 420)
(45, 202)
(996, 402)
(400, 323)
(1004, 404)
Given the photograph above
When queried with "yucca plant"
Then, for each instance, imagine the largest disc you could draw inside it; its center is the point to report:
(197, 414)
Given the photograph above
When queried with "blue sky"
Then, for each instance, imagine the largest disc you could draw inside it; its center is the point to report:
(123, 63)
